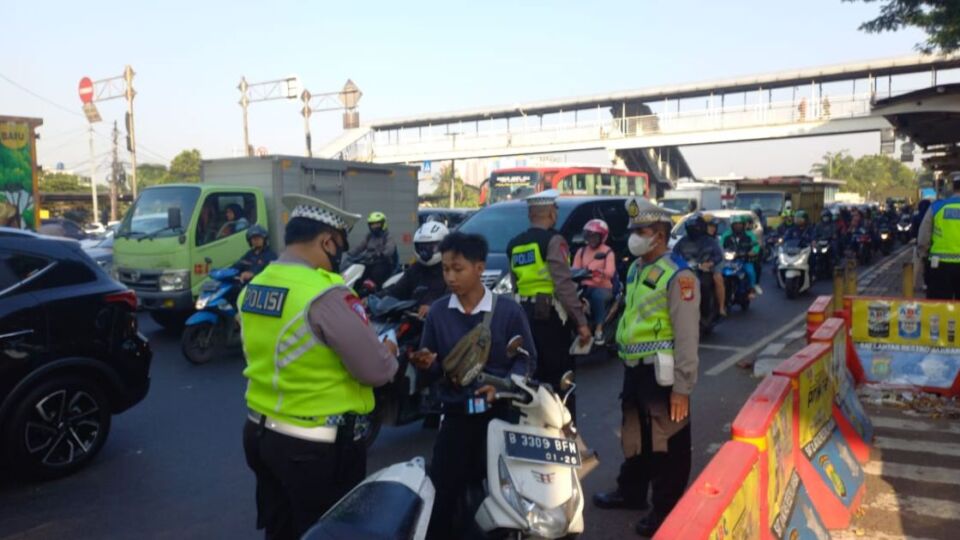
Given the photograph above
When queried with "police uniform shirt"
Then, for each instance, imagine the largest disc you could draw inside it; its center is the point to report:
(333, 318)
(557, 258)
(684, 305)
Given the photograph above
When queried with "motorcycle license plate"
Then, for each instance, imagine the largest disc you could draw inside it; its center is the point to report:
(541, 449)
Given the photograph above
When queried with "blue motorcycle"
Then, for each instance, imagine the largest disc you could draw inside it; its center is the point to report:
(735, 280)
(214, 325)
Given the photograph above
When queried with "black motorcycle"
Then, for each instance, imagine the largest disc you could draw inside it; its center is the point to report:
(709, 310)
(886, 238)
(860, 246)
(905, 229)
(405, 399)
(823, 257)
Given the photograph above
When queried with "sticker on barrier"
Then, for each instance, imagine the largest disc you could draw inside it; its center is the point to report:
(824, 461)
(854, 424)
(907, 342)
(766, 421)
(722, 502)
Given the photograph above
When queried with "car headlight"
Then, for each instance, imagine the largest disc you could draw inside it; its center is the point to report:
(505, 285)
(174, 280)
(202, 303)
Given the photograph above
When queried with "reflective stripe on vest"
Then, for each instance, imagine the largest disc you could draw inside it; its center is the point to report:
(530, 268)
(945, 238)
(645, 327)
(291, 375)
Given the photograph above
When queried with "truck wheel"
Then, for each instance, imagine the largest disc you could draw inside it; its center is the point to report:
(200, 342)
(171, 321)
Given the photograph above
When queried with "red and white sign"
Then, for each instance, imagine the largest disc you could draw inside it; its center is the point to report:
(86, 90)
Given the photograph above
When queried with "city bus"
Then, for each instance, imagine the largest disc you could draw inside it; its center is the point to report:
(519, 182)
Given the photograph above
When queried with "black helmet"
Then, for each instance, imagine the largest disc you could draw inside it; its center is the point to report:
(696, 226)
(257, 230)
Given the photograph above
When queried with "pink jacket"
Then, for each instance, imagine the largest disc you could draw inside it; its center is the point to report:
(603, 270)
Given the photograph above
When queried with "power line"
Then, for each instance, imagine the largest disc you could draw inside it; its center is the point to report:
(38, 96)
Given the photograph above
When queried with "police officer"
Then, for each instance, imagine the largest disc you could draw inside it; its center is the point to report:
(938, 243)
(539, 263)
(657, 340)
(312, 363)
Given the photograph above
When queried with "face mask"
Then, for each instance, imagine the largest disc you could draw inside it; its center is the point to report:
(337, 256)
(640, 245)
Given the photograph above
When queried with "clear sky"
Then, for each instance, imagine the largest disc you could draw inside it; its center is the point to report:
(407, 58)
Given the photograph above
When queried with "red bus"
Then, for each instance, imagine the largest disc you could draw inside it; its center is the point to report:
(519, 182)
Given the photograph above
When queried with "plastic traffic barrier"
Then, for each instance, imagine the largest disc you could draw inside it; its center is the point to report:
(722, 502)
(820, 310)
(901, 342)
(766, 422)
(826, 464)
(853, 422)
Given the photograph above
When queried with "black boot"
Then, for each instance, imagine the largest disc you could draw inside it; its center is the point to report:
(648, 524)
(614, 499)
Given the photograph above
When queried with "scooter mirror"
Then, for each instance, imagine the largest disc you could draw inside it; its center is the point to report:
(566, 382)
(514, 346)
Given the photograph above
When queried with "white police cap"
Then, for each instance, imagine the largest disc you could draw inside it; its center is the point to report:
(544, 198)
(643, 212)
(312, 208)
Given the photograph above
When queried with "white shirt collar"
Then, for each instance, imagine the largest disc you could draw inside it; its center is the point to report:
(486, 303)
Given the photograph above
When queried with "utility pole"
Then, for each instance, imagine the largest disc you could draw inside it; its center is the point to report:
(132, 141)
(344, 100)
(93, 183)
(114, 177)
(453, 182)
(288, 88)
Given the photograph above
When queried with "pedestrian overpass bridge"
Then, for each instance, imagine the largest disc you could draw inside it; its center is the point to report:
(645, 128)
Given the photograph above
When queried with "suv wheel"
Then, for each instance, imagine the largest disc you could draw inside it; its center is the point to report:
(58, 427)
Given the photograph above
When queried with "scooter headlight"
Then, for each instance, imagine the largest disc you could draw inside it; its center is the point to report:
(545, 522)
(729, 256)
(884, 235)
(202, 303)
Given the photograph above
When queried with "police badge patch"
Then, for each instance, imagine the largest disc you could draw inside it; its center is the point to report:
(688, 287)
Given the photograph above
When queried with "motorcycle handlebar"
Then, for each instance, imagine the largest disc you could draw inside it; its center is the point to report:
(501, 384)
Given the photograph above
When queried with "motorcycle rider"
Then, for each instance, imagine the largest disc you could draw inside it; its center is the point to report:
(426, 271)
(699, 246)
(827, 230)
(738, 240)
(378, 251)
(257, 257)
(786, 223)
(762, 219)
(599, 259)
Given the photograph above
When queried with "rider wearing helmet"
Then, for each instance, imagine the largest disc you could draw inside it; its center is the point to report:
(697, 245)
(378, 251)
(741, 240)
(786, 223)
(258, 257)
(426, 271)
(598, 258)
(758, 211)
(801, 228)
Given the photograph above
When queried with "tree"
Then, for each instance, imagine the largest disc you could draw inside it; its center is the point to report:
(466, 196)
(151, 174)
(185, 167)
(834, 165)
(875, 177)
(940, 19)
(58, 182)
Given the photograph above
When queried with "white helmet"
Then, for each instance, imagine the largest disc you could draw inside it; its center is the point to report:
(426, 241)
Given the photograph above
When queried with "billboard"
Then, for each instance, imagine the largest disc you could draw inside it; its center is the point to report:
(18, 172)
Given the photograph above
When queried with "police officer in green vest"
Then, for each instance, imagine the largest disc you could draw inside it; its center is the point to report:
(657, 341)
(540, 266)
(938, 243)
(312, 363)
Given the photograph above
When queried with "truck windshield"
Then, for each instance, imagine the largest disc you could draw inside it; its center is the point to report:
(770, 203)
(677, 205)
(149, 214)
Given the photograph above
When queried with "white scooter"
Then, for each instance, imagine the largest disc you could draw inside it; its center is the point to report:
(395, 502)
(793, 267)
(533, 482)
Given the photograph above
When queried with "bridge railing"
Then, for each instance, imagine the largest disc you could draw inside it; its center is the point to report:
(597, 127)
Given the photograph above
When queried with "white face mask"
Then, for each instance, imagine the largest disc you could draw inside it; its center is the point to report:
(640, 245)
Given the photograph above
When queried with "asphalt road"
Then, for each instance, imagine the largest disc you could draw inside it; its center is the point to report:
(173, 466)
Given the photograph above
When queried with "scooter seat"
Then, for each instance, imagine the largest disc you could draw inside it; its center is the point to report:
(372, 511)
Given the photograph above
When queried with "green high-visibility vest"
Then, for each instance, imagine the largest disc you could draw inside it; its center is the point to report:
(645, 327)
(291, 375)
(528, 263)
(945, 238)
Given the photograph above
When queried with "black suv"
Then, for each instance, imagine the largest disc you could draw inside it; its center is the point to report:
(71, 354)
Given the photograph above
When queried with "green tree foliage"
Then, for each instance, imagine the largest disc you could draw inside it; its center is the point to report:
(467, 196)
(151, 174)
(940, 19)
(185, 167)
(58, 182)
(875, 177)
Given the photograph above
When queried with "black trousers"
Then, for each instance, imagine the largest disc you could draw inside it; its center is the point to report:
(459, 462)
(552, 339)
(667, 473)
(943, 282)
(298, 480)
